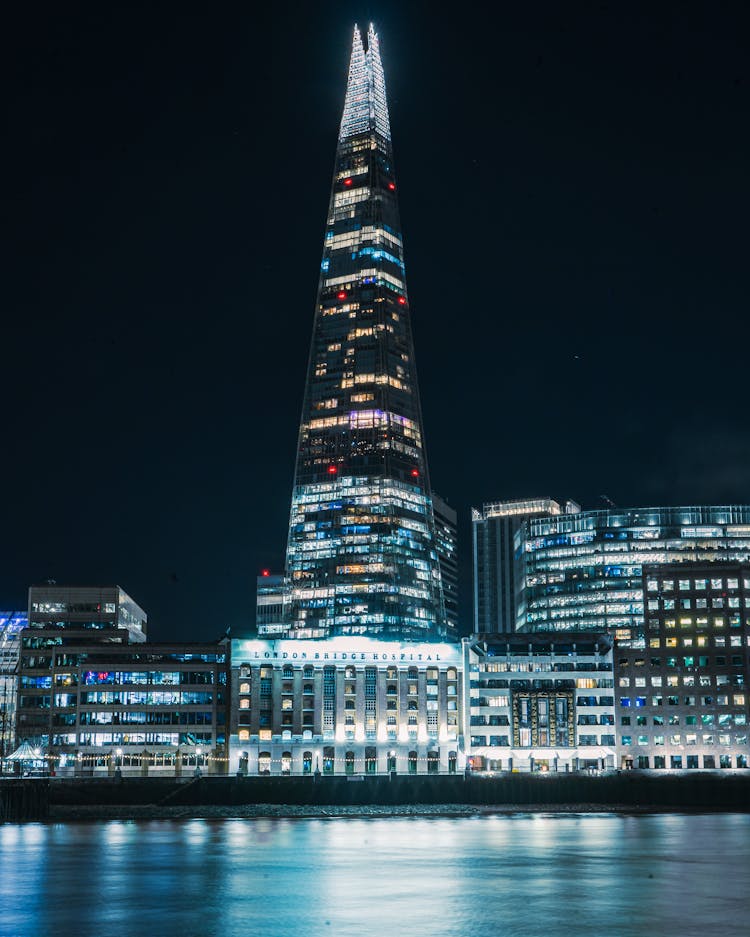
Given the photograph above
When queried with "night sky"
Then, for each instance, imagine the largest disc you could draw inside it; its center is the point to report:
(575, 199)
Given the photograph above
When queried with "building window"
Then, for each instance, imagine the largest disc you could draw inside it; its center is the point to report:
(412, 762)
(433, 762)
(286, 763)
(328, 760)
(371, 760)
(307, 762)
(264, 763)
(349, 762)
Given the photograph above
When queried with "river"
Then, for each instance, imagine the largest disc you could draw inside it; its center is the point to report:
(514, 876)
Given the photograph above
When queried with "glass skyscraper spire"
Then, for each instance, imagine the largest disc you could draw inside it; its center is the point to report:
(361, 555)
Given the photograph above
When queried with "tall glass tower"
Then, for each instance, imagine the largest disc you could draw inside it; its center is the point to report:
(361, 556)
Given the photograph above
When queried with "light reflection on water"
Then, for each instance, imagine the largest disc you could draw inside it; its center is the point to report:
(550, 875)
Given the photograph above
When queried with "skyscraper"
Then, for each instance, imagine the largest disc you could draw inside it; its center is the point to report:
(361, 556)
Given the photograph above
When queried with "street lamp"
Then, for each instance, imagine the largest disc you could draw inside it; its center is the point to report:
(198, 762)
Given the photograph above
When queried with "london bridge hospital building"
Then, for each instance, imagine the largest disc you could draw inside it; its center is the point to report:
(345, 706)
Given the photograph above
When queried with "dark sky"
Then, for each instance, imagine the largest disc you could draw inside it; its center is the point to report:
(575, 200)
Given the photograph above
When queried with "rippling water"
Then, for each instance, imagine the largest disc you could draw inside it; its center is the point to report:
(507, 875)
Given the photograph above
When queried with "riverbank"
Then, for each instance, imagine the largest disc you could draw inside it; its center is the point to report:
(424, 795)
(90, 812)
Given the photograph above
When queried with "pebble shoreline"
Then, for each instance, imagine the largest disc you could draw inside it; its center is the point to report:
(307, 811)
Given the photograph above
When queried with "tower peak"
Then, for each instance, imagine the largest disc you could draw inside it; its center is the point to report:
(365, 105)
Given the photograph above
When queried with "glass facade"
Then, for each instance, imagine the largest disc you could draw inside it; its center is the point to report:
(361, 555)
(584, 571)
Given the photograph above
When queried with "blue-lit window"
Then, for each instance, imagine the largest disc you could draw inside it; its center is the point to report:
(625, 701)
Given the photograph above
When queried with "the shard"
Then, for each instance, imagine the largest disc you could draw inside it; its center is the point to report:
(361, 556)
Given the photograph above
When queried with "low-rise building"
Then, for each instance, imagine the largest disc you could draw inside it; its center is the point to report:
(539, 702)
(345, 705)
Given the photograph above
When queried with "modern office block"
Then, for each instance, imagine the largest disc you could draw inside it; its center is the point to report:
(361, 556)
(582, 570)
(498, 542)
(11, 626)
(94, 705)
(682, 688)
(108, 610)
(539, 703)
(271, 605)
(446, 542)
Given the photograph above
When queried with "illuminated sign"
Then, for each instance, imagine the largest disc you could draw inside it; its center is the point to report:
(346, 650)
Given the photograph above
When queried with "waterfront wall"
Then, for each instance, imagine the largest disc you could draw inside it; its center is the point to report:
(704, 791)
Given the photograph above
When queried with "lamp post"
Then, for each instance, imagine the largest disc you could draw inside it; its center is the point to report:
(198, 762)
(118, 763)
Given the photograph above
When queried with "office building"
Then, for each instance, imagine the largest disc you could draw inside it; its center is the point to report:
(361, 556)
(539, 703)
(271, 605)
(108, 610)
(682, 688)
(582, 570)
(498, 551)
(11, 626)
(446, 542)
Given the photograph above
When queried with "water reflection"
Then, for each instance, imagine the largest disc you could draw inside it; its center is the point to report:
(520, 875)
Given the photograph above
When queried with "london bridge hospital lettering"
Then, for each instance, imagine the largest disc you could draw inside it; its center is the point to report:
(342, 655)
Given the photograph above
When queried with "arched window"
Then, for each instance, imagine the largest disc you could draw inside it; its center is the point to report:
(350, 673)
(244, 735)
(391, 673)
(308, 671)
(328, 759)
(244, 704)
(288, 672)
(286, 763)
(451, 673)
(264, 763)
(452, 761)
(307, 762)
(391, 689)
(412, 763)
(244, 688)
(433, 762)
(371, 760)
(413, 673)
(349, 762)
(413, 704)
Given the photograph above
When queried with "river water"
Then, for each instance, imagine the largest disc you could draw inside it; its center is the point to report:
(523, 874)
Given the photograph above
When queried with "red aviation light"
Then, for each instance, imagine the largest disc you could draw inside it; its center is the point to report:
(265, 572)
(348, 181)
(392, 186)
(415, 473)
(332, 470)
(341, 295)
(402, 300)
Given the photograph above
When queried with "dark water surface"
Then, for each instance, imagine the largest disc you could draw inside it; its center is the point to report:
(524, 874)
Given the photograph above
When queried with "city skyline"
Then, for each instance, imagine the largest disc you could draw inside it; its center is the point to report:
(582, 208)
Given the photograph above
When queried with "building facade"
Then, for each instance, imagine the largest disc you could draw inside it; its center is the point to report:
(108, 610)
(271, 605)
(575, 571)
(93, 707)
(345, 706)
(498, 552)
(539, 703)
(682, 687)
(11, 626)
(361, 555)
(446, 542)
